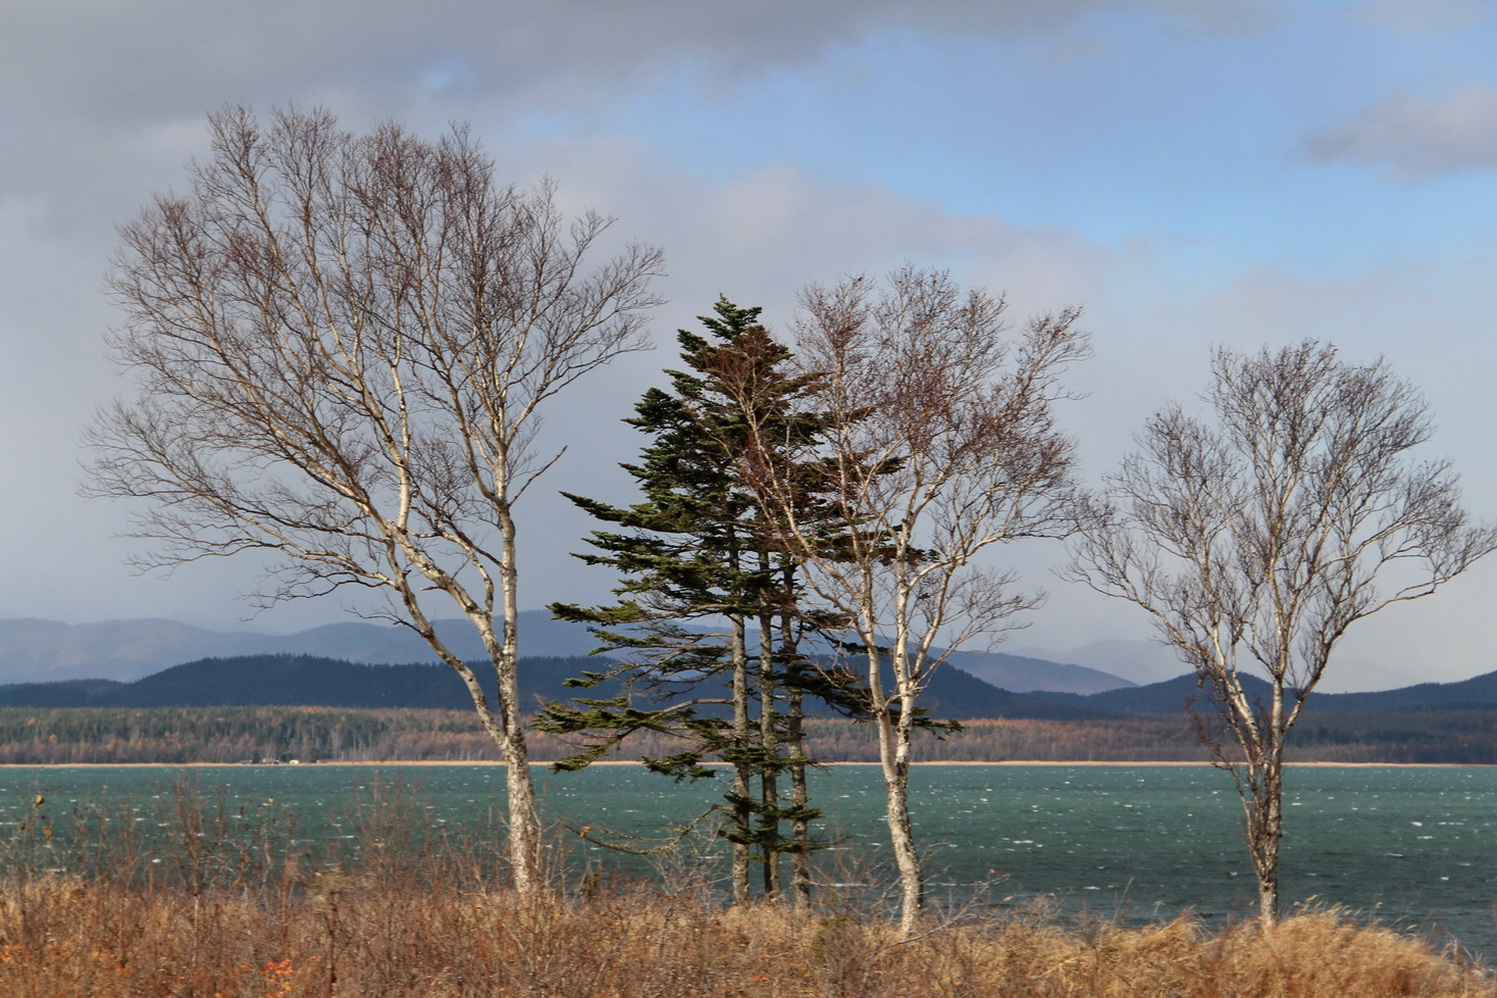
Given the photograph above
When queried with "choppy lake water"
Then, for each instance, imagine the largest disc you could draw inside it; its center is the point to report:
(1410, 846)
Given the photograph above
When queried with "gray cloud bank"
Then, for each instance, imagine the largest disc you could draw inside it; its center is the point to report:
(1413, 137)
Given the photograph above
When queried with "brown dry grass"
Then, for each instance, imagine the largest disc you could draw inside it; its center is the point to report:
(347, 935)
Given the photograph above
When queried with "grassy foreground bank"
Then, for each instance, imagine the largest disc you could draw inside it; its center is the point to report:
(345, 934)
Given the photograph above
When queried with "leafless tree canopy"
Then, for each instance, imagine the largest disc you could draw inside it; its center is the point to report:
(943, 443)
(1255, 540)
(940, 443)
(342, 345)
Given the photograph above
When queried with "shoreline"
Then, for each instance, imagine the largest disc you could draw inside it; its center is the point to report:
(1168, 763)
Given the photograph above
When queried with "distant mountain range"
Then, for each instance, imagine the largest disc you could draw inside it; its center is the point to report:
(305, 680)
(44, 650)
(1024, 674)
(1172, 695)
(363, 664)
(310, 681)
(1141, 662)
(123, 650)
(1147, 662)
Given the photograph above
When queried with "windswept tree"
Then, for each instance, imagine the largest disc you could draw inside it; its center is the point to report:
(939, 443)
(708, 628)
(342, 345)
(1256, 537)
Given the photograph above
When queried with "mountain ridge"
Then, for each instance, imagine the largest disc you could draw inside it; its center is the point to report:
(1172, 696)
(306, 680)
(311, 681)
(37, 650)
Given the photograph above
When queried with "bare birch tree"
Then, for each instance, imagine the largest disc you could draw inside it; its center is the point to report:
(1255, 540)
(941, 444)
(342, 345)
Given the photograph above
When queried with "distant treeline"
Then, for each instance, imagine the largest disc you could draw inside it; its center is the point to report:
(324, 734)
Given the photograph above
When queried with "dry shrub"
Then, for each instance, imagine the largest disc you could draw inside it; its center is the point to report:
(344, 935)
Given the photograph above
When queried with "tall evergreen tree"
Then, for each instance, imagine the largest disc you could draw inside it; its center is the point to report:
(696, 550)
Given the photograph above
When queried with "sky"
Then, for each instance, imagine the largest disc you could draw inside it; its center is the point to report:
(1193, 173)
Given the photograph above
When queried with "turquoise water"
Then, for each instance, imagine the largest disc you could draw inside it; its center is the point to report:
(1410, 846)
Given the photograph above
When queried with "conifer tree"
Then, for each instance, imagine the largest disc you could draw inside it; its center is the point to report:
(696, 551)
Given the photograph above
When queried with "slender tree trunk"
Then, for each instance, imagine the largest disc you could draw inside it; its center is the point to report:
(800, 797)
(897, 775)
(901, 835)
(1265, 831)
(524, 822)
(895, 737)
(795, 748)
(769, 773)
(743, 818)
(505, 727)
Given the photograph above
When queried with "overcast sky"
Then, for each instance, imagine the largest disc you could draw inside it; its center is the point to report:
(1192, 172)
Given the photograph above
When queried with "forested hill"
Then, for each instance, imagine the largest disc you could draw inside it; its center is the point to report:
(293, 680)
(310, 681)
(279, 680)
(42, 651)
(1171, 696)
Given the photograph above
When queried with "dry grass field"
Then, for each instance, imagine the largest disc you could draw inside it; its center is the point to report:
(342, 935)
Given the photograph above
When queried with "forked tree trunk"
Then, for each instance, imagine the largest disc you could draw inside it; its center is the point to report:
(504, 727)
(896, 767)
(895, 737)
(1259, 775)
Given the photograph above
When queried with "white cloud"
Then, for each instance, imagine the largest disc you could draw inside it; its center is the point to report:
(762, 236)
(1431, 321)
(1424, 17)
(118, 61)
(767, 232)
(1223, 17)
(1414, 137)
(121, 62)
